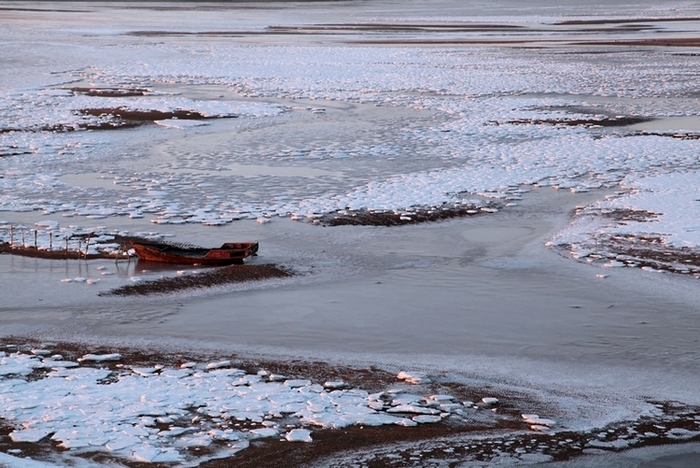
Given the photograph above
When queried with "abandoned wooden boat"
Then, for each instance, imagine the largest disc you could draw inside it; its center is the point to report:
(229, 253)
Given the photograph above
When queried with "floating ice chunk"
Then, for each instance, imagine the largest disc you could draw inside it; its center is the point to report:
(426, 418)
(29, 435)
(144, 371)
(412, 409)
(334, 385)
(263, 432)
(535, 419)
(489, 401)
(613, 264)
(92, 280)
(375, 419)
(406, 399)
(296, 383)
(299, 435)
(415, 378)
(41, 352)
(145, 453)
(100, 357)
(79, 279)
(450, 407)
(538, 428)
(406, 422)
(227, 434)
(218, 365)
(681, 434)
(592, 443)
(168, 455)
(59, 364)
(66, 280)
(441, 398)
(376, 405)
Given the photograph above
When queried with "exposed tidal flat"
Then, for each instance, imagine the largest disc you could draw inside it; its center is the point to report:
(548, 318)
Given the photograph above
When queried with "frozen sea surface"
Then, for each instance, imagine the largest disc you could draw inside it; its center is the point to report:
(539, 114)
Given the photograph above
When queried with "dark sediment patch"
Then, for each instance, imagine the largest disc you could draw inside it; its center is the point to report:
(195, 33)
(114, 118)
(414, 215)
(12, 150)
(144, 115)
(651, 252)
(42, 10)
(118, 117)
(624, 215)
(111, 92)
(394, 27)
(654, 42)
(675, 135)
(215, 277)
(454, 41)
(601, 122)
(534, 42)
(646, 251)
(624, 21)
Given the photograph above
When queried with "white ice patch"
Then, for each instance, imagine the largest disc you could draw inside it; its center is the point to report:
(299, 435)
(536, 420)
(483, 139)
(100, 357)
(123, 411)
(662, 207)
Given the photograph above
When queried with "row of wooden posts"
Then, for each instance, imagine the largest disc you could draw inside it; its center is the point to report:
(36, 241)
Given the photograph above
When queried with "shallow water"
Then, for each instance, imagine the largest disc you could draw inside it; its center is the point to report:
(378, 127)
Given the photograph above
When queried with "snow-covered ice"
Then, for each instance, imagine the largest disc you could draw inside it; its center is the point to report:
(122, 410)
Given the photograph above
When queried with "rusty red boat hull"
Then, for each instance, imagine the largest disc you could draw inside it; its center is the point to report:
(230, 253)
